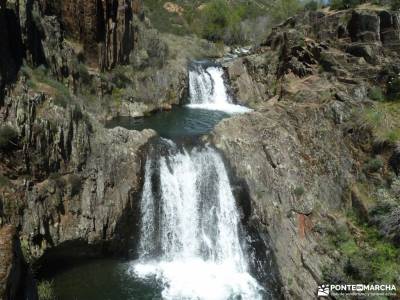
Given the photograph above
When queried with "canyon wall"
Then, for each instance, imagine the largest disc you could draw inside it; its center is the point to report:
(302, 153)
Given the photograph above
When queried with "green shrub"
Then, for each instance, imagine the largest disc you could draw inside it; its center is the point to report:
(283, 9)
(8, 137)
(216, 18)
(83, 73)
(395, 4)
(344, 4)
(374, 165)
(46, 290)
(311, 5)
(42, 74)
(299, 191)
(118, 78)
(61, 100)
(375, 93)
(383, 121)
(31, 84)
(393, 135)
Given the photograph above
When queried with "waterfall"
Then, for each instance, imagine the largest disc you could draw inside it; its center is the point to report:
(207, 89)
(190, 229)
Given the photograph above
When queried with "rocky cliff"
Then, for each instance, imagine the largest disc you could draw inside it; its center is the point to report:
(303, 153)
(107, 29)
(68, 178)
(70, 187)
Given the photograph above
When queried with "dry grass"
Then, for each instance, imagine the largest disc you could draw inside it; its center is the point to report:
(383, 121)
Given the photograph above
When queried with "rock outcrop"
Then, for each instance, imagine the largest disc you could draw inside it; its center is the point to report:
(351, 43)
(107, 29)
(299, 154)
(72, 180)
(296, 168)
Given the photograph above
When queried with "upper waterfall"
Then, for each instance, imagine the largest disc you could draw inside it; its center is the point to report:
(207, 89)
(190, 229)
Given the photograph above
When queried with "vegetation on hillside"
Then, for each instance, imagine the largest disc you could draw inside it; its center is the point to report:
(345, 4)
(363, 254)
(235, 22)
(232, 22)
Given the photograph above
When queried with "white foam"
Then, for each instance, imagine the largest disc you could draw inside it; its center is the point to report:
(201, 280)
(191, 228)
(225, 107)
(208, 91)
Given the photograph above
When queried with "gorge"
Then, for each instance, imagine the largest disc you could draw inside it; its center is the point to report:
(142, 161)
(193, 244)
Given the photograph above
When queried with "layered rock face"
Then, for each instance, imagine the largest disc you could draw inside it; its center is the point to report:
(108, 31)
(82, 179)
(106, 28)
(299, 154)
(296, 168)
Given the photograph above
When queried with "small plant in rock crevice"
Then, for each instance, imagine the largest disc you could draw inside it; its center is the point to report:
(299, 191)
(374, 165)
(376, 93)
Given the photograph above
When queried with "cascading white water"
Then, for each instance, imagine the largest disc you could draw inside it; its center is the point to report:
(190, 228)
(207, 89)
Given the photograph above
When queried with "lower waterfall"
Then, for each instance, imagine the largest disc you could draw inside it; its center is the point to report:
(190, 228)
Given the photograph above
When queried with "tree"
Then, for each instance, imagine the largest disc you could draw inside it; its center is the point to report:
(283, 9)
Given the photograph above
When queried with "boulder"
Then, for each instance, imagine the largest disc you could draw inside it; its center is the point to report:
(368, 52)
(364, 26)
